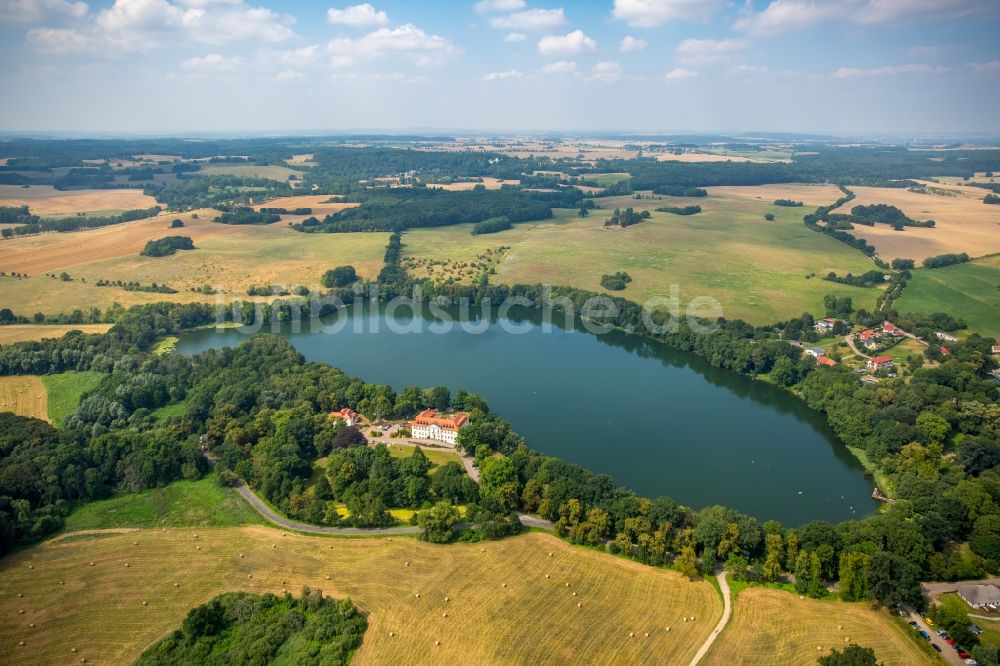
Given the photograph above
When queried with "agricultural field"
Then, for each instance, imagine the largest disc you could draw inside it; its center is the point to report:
(24, 395)
(762, 157)
(319, 203)
(809, 195)
(775, 627)
(501, 608)
(487, 182)
(64, 391)
(46, 200)
(970, 292)
(24, 332)
(272, 171)
(229, 257)
(963, 222)
(755, 268)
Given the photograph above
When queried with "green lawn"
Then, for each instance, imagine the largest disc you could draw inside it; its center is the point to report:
(756, 269)
(64, 391)
(176, 409)
(970, 292)
(435, 456)
(180, 504)
(991, 629)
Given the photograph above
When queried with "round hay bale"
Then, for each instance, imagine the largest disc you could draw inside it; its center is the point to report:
(197, 547)
(574, 594)
(840, 626)
(437, 642)
(249, 575)
(19, 595)
(328, 576)
(62, 582)
(91, 564)
(73, 650)
(685, 618)
(126, 565)
(31, 566)
(406, 564)
(446, 598)
(631, 634)
(195, 536)
(550, 553)
(444, 615)
(567, 584)
(20, 643)
(20, 611)
(274, 545)
(579, 605)
(135, 543)
(31, 625)
(177, 584)
(241, 556)
(668, 628)
(284, 591)
(647, 634)
(503, 585)
(417, 595)
(391, 634)
(145, 603)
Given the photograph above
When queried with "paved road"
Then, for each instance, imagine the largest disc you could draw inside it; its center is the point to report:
(727, 610)
(849, 339)
(281, 521)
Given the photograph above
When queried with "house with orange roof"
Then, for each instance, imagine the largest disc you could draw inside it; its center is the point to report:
(825, 360)
(879, 362)
(347, 415)
(428, 424)
(892, 329)
(867, 334)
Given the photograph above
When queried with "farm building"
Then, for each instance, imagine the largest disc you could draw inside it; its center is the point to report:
(826, 325)
(816, 352)
(347, 415)
(995, 349)
(979, 595)
(879, 362)
(429, 425)
(946, 336)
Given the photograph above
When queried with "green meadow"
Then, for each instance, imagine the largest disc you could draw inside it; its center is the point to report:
(970, 292)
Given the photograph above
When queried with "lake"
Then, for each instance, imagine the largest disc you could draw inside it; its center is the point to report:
(660, 421)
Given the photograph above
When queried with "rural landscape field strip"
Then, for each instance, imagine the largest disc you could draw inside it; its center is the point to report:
(24, 395)
(528, 599)
(46, 200)
(774, 627)
(23, 332)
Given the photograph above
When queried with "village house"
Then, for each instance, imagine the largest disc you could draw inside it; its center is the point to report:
(995, 349)
(816, 352)
(946, 336)
(826, 325)
(429, 425)
(945, 351)
(879, 362)
(825, 360)
(347, 415)
(892, 329)
(979, 595)
(867, 334)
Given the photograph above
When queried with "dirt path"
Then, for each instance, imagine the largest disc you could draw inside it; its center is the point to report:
(850, 343)
(727, 611)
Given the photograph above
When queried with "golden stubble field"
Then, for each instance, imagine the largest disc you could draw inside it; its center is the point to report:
(46, 200)
(24, 395)
(531, 599)
(24, 332)
(963, 222)
(773, 627)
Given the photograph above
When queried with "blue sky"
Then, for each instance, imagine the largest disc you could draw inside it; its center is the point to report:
(838, 66)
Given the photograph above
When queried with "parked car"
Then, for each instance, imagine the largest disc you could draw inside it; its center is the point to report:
(971, 662)
(949, 641)
(930, 622)
(937, 648)
(942, 633)
(976, 629)
(913, 624)
(903, 613)
(924, 635)
(963, 655)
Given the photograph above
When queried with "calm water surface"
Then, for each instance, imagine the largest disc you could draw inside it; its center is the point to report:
(660, 421)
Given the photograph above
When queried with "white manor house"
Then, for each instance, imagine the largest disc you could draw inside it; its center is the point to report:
(429, 425)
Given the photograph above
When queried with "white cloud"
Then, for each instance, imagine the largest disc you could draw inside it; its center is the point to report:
(499, 76)
(357, 16)
(140, 25)
(406, 41)
(290, 58)
(213, 63)
(29, 11)
(497, 6)
(568, 44)
(630, 43)
(782, 15)
(991, 66)
(515, 37)
(561, 67)
(606, 71)
(530, 19)
(916, 68)
(289, 75)
(680, 74)
(707, 51)
(653, 13)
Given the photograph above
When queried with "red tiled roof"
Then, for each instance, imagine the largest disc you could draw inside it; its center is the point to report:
(879, 360)
(345, 413)
(945, 351)
(825, 360)
(430, 417)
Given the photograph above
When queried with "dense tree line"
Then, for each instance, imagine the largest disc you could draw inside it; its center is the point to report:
(32, 224)
(245, 629)
(872, 278)
(672, 190)
(208, 191)
(166, 246)
(626, 218)
(878, 213)
(680, 210)
(616, 281)
(946, 260)
(491, 226)
(790, 203)
(247, 215)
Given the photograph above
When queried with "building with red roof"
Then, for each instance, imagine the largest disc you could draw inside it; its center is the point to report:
(428, 424)
(825, 360)
(879, 362)
(347, 415)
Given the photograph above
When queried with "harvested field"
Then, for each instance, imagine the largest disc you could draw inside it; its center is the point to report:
(272, 171)
(964, 223)
(500, 606)
(23, 332)
(46, 200)
(773, 627)
(716, 157)
(24, 395)
(810, 195)
(488, 182)
(304, 159)
(37, 255)
(320, 204)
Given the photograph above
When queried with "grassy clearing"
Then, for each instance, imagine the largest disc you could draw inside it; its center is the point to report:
(200, 503)
(774, 627)
(991, 628)
(24, 332)
(176, 409)
(970, 292)
(501, 607)
(24, 395)
(755, 268)
(65, 389)
(436, 457)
